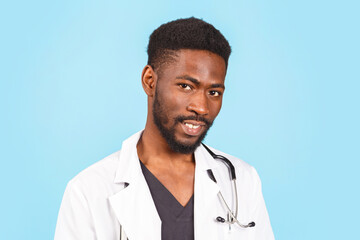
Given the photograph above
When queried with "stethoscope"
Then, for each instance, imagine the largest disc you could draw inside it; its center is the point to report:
(231, 216)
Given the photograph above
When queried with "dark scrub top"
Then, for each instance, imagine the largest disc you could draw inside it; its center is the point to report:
(177, 221)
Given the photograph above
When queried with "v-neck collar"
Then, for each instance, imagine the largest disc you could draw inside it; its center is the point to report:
(165, 201)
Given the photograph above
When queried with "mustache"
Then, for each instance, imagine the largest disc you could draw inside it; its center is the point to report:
(182, 118)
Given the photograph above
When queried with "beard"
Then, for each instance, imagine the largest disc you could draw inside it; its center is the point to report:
(161, 119)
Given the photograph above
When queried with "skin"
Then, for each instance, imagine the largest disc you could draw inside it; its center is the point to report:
(192, 85)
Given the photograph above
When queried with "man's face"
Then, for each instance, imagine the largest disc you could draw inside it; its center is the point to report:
(188, 98)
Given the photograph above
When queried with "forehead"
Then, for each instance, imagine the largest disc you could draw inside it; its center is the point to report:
(201, 64)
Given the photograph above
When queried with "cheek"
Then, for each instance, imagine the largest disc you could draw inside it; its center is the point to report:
(175, 101)
(171, 105)
(180, 102)
(215, 108)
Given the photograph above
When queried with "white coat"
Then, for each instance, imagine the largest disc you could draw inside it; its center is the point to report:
(112, 195)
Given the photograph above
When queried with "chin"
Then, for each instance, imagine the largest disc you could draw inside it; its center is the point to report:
(186, 146)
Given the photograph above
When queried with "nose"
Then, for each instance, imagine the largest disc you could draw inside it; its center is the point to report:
(199, 104)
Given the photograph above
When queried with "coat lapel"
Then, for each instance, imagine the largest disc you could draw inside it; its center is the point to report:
(134, 206)
(206, 207)
(136, 212)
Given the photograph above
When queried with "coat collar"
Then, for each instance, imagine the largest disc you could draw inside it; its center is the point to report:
(134, 206)
(128, 169)
(129, 165)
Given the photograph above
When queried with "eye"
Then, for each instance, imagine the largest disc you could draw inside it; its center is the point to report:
(215, 93)
(185, 86)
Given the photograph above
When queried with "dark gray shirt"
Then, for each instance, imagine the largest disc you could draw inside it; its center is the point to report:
(177, 221)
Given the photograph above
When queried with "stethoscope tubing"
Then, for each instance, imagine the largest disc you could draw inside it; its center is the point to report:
(233, 216)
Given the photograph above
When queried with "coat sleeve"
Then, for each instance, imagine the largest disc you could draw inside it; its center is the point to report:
(262, 229)
(74, 220)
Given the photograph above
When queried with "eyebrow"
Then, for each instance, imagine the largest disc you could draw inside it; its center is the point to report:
(197, 82)
(191, 79)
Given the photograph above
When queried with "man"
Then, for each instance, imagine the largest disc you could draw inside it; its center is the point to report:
(164, 184)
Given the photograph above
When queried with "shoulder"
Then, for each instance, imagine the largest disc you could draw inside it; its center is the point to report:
(238, 163)
(242, 168)
(99, 175)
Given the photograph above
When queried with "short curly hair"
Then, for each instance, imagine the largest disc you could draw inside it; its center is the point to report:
(187, 33)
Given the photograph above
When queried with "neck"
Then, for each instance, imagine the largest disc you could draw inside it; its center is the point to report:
(153, 149)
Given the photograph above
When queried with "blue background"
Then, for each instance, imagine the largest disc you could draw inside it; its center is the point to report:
(70, 94)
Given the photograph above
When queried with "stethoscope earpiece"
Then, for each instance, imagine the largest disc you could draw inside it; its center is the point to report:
(220, 219)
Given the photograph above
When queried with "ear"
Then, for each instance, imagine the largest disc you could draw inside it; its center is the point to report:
(148, 80)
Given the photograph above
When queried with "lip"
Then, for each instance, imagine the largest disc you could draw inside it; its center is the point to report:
(194, 122)
(194, 131)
